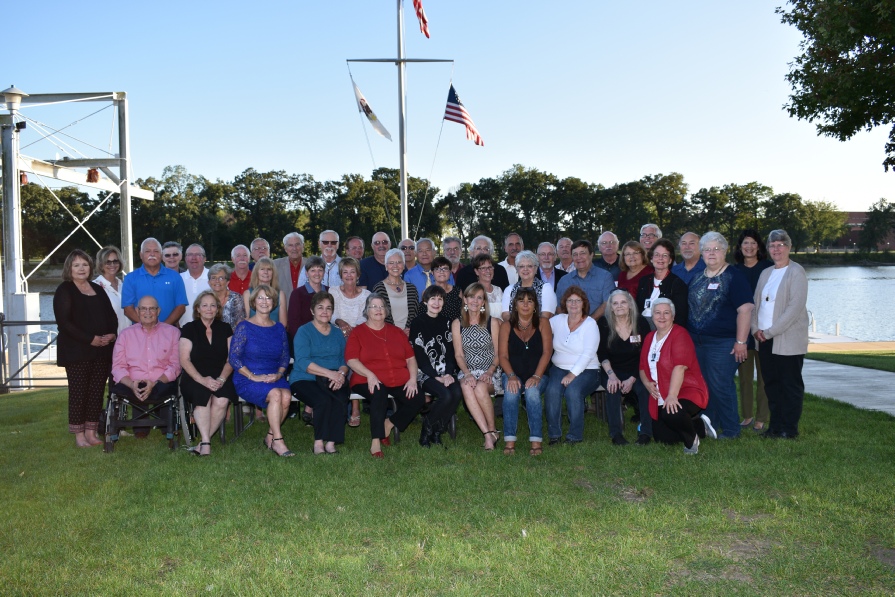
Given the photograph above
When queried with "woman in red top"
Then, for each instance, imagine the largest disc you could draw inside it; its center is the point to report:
(634, 266)
(670, 371)
(384, 365)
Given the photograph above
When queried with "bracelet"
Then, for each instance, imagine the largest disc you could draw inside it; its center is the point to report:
(537, 377)
(610, 372)
(511, 375)
(220, 379)
(741, 343)
(342, 373)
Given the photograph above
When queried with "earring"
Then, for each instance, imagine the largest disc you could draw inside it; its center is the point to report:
(482, 310)
(466, 307)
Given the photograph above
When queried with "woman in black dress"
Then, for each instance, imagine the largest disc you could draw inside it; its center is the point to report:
(430, 334)
(207, 382)
(87, 330)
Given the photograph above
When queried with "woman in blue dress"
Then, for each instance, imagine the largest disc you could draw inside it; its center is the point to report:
(259, 355)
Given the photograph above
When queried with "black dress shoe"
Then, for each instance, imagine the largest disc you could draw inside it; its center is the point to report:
(619, 440)
(771, 434)
(788, 435)
(643, 439)
(554, 440)
(426, 433)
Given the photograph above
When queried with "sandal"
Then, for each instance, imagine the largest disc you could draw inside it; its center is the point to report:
(496, 438)
(759, 426)
(264, 443)
(747, 422)
(286, 454)
(197, 451)
(509, 449)
(354, 421)
(535, 449)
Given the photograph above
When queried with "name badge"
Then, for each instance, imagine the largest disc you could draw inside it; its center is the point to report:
(713, 286)
(647, 303)
(634, 339)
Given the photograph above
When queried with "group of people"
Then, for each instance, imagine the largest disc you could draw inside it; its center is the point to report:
(414, 333)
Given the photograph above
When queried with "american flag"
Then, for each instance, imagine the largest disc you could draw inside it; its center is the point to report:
(455, 112)
(421, 15)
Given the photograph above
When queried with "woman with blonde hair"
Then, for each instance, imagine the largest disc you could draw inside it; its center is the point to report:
(265, 273)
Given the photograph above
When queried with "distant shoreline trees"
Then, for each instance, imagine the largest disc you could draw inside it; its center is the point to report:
(540, 206)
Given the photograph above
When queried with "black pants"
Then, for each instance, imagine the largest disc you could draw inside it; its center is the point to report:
(682, 426)
(784, 386)
(329, 407)
(406, 411)
(447, 400)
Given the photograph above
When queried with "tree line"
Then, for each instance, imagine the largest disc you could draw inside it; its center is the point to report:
(538, 205)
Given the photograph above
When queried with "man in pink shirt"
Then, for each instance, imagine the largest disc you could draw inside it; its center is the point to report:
(146, 361)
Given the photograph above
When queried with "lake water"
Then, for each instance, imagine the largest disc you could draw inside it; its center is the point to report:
(855, 297)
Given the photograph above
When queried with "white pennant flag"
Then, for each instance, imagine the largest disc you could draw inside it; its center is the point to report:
(364, 107)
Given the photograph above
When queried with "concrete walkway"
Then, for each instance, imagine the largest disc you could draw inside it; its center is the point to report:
(865, 388)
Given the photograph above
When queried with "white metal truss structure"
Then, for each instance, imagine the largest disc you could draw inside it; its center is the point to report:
(71, 169)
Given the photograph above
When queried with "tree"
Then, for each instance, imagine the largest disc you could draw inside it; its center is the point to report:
(664, 196)
(845, 76)
(880, 223)
(786, 211)
(824, 223)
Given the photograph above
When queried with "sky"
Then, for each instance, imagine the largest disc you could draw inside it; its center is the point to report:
(607, 92)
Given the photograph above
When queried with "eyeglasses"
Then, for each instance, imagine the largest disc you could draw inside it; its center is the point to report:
(712, 250)
(442, 269)
(381, 242)
(773, 246)
(409, 248)
(394, 263)
(261, 297)
(648, 235)
(171, 255)
(147, 309)
(217, 279)
(607, 243)
(485, 269)
(376, 307)
(113, 262)
(329, 242)
(574, 301)
(631, 254)
(661, 256)
(188, 255)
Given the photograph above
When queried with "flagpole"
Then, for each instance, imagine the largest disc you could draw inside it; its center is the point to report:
(402, 131)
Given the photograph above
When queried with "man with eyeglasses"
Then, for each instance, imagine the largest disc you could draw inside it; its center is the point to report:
(450, 247)
(649, 234)
(421, 275)
(692, 262)
(146, 360)
(289, 268)
(354, 247)
(607, 244)
(372, 269)
(548, 272)
(408, 249)
(481, 245)
(259, 248)
(195, 279)
(151, 279)
(172, 253)
(595, 282)
(328, 243)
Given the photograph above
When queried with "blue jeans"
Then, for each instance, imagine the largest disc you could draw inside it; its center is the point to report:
(532, 407)
(574, 393)
(718, 369)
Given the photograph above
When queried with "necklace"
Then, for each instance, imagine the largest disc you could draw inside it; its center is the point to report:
(396, 285)
(372, 331)
(523, 328)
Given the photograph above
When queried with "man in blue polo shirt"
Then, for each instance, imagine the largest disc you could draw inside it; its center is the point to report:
(152, 279)
(595, 282)
(421, 274)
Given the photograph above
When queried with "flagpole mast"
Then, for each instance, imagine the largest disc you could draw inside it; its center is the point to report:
(402, 131)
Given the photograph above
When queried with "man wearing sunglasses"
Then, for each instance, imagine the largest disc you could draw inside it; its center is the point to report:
(408, 249)
(372, 269)
(328, 242)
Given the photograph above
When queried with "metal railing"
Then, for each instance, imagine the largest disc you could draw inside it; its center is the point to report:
(6, 378)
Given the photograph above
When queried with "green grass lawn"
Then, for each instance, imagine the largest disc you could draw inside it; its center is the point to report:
(815, 516)
(883, 360)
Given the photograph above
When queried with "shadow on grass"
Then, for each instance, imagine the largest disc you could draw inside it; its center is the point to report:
(752, 516)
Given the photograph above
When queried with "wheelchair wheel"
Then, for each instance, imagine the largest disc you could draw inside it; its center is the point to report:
(110, 416)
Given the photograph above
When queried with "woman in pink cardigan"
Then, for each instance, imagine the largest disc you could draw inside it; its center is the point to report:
(678, 393)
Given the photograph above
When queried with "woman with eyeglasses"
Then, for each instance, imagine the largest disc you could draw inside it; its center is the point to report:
(483, 266)
(781, 327)
(662, 284)
(721, 305)
(259, 355)
(108, 260)
(751, 258)
(402, 297)
(453, 301)
(527, 268)
(232, 304)
(574, 373)
(634, 266)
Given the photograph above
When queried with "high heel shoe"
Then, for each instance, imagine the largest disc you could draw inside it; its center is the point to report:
(496, 438)
(197, 451)
(286, 454)
(264, 441)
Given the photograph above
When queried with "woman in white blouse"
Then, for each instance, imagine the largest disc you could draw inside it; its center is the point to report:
(575, 370)
(108, 262)
(348, 312)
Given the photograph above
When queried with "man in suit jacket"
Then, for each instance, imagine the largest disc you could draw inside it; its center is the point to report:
(548, 272)
(481, 245)
(289, 268)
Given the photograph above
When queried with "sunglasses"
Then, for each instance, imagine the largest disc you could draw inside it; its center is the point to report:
(329, 242)
(112, 262)
(409, 248)
(171, 255)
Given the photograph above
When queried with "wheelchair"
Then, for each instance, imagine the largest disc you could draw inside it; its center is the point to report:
(122, 412)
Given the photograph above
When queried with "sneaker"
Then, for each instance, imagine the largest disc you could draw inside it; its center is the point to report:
(694, 449)
(709, 430)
